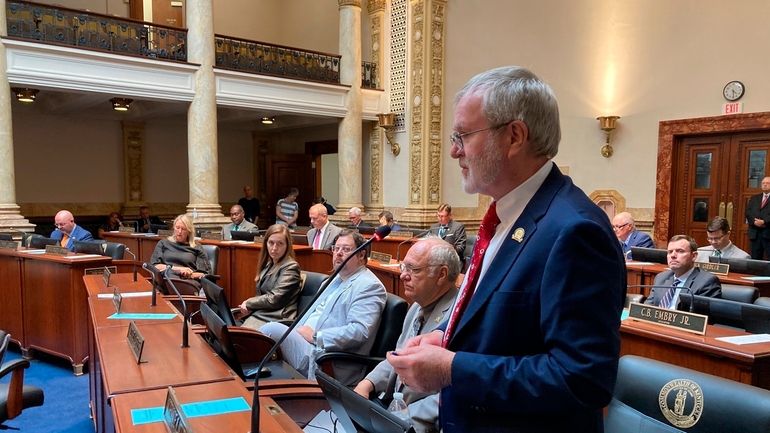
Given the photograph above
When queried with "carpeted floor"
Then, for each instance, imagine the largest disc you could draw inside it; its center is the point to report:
(66, 398)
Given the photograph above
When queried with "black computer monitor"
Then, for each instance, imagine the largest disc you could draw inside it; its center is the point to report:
(239, 235)
(654, 255)
(216, 299)
(90, 247)
(756, 318)
(155, 227)
(364, 230)
(720, 311)
(736, 265)
(40, 242)
(356, 413)
(6, 237)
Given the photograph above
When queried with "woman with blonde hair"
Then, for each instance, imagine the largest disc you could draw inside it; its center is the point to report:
(278, 282)
(180, 251)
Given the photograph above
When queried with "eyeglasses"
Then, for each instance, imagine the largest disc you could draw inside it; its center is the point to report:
(344, 250)
(411, 270)
(457, 138)
(619, 227)
(716, 238)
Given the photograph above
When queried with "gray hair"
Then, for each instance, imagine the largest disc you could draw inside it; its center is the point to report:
(444, 254)
(514, 93)
(355, 211)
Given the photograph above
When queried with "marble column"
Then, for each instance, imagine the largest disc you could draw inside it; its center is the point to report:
(376, 9)
(203, 164)
(426, 66)
(350, 128)
(10, 216)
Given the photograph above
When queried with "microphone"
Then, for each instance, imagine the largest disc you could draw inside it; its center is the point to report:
(398, 248)
(185, 315)
(134, 256)
(379, 234)
(155, 274)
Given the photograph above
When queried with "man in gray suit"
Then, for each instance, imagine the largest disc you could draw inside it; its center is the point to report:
(345, 318)
(450, 230)
(238, 224)
(682, 251)
(321, 236)
(429, 273)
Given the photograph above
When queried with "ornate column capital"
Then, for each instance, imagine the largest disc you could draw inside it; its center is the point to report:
(344, 3)
(374, 6)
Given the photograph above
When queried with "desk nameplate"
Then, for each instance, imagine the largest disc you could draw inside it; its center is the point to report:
(56, 250)
(9, 245)
(380, 257)
(690, 322)
(100, 270)
(214, 236)
(124, 229)
(173, 416)
(259, 239)
(165, 233)
(714, 268)
(135, 341)
(401, 234)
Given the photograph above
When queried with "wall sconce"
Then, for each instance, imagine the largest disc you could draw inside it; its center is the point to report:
(268, 120)
(121, 104)
(24, 94)
(607, 124)
(387, 121)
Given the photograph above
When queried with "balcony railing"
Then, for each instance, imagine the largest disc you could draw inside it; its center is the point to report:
(369, 75)
(64, 26)
(270, 59)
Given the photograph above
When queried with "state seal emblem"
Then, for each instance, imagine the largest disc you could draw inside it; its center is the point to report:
(681, 402)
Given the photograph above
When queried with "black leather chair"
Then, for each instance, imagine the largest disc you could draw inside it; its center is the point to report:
(311, 282)
(212, 253)
(738, 293)
(470, 242)
(114, 250)
(391, 322)
(763, 301)
(654, 397)
(14, 395)
(39, 242)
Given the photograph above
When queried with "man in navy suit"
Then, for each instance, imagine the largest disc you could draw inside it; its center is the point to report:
(67, 232)
(625, 229)
(536, 348)
(758, 219)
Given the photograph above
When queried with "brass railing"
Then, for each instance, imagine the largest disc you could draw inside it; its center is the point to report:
(369, 75)
(270, 59)
(64, 26)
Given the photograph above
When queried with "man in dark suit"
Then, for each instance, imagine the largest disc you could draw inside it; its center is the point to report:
(450, 230)
(758, 218)
(146, 221)
(532, 343)
(67, 232)
(682, 252)
(354, 215)
(625, 229)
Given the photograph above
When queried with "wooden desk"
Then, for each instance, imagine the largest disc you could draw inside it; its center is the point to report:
(743, 363)
(390, 245)
(639, 273)
(272, 418)
(389, 275)
(44, 302)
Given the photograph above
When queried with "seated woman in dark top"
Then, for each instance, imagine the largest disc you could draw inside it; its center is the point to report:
(180, 250)
(112, 224)
(278, 281)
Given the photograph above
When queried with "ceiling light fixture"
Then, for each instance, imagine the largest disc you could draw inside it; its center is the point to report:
(268, 120)
(24, 94)
(121, 104)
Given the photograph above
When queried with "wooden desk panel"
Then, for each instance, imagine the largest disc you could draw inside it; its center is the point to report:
(389, 275)
(390, 245)
(272, 418)
(11, 311)
(743, 363)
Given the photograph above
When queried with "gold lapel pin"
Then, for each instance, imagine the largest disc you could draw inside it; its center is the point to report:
(518, 235)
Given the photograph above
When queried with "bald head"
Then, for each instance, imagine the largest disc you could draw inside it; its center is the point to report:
(64, 221)
(319, 216)
(623, 225)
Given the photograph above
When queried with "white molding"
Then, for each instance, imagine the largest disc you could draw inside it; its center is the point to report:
(59, 67)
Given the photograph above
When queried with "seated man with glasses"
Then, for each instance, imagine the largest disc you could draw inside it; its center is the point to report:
(429, 273)
(718, 235)
(345, 318)
(67, 232)
(628, 235)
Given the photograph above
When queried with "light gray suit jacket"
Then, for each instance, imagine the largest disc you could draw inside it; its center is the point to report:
(245, 226)
(423, 406)
(328, 237)
(350, 319)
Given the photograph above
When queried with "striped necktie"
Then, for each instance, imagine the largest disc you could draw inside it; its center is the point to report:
(668, 298)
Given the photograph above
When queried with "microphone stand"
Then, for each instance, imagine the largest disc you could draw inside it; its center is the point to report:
(185, 315)
(379, 234)
(418, 235)
(134, 264)
(155, 277)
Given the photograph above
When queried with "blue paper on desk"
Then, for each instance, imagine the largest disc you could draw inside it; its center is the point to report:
(143, 316)
(192, 410)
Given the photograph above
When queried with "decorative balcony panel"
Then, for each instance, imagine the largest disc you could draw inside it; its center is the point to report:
(369, 75)
(277, 60)
(71, 27)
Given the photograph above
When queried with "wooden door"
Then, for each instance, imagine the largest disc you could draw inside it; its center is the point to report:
(165, 12)
(285, 171)
(714, 175)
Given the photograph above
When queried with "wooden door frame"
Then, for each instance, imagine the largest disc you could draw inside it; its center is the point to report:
(670, 132)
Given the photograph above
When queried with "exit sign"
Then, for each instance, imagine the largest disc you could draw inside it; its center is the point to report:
(732, 108)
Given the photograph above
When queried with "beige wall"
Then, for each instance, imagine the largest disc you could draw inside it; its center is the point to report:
(107, 7)
(646, 61)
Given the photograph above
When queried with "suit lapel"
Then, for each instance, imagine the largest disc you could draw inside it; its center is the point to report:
(510, 249)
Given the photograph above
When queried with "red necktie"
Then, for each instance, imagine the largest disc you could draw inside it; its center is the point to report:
(486, 232)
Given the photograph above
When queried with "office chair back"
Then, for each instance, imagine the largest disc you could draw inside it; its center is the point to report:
(391, 322)
(4, 339)
(115, 250)
(763, 301)
(311, 282)
(470, 242)
(221, 338)
(738, 293)
(654, 255)
(14, 395)
(212, 253)
(39, 242)
(653, 397)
